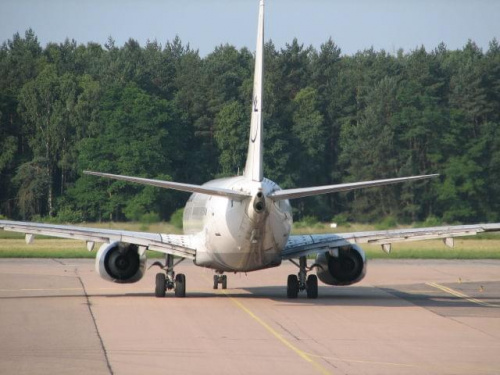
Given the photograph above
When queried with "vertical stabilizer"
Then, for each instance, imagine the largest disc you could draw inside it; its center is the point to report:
(254, 165)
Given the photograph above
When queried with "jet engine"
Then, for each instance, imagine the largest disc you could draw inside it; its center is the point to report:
(120, 262)
(343, 266)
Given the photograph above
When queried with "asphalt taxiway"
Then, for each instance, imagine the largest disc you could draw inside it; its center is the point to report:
(405, 317)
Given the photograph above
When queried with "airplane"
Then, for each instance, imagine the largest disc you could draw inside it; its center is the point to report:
(242, 224)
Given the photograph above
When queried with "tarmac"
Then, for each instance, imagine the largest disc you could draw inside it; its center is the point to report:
(406, 317)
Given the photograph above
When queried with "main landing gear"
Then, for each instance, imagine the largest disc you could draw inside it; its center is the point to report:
(168, 280)
(219, 278)
(298, 283)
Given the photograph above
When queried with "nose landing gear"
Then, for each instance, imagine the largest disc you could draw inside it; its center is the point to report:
(219, 278)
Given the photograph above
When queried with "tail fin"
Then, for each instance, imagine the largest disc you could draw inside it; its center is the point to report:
(255, 161)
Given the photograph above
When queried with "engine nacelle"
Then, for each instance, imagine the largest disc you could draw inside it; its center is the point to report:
(120, 262)
(343, 266)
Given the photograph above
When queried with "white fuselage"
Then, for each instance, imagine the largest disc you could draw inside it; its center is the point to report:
(238, 236)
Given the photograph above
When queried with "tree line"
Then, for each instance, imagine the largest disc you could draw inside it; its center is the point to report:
(165, 112)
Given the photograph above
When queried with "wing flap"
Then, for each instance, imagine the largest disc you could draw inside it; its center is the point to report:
(179, 245)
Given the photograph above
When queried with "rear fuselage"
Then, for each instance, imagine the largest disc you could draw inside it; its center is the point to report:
(238, 236)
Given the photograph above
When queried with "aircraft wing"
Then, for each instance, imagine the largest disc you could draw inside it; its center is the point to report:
(303, 245)
(179, 245)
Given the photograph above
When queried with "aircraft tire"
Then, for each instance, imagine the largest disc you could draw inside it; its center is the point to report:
(292, 286)
(160, 285)
(180, 285)
(224, 282)
(312, 286)
(216, 281)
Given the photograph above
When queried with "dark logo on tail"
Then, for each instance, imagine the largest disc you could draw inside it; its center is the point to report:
(255, 124)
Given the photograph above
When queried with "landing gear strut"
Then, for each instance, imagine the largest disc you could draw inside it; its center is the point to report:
(168, 280)
(299, 282)
(219, 278)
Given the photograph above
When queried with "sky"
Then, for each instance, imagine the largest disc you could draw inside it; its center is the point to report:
(353, 25)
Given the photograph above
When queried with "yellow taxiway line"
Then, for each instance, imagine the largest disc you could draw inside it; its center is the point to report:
(458, 294)
(308, 357)
(305, 356)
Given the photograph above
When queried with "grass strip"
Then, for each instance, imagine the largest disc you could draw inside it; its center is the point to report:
(464, 249)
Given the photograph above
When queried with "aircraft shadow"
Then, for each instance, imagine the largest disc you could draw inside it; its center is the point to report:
(388, 296)
(363, 296)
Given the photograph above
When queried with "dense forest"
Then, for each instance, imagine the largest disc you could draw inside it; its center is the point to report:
(165, 112)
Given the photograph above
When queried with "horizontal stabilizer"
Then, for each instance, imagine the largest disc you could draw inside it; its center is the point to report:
(236, 195)
(318, 190)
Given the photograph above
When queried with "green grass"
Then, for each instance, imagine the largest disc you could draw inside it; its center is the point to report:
(44, 248)
(4, 235)
(50, 248)
(465, 248)
(485, 246)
